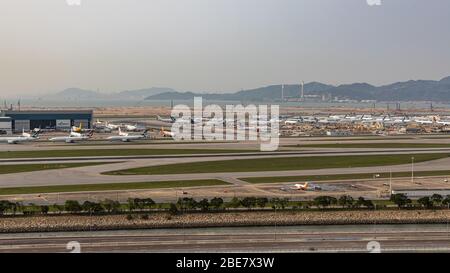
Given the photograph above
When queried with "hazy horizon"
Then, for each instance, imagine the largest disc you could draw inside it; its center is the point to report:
(218, 46)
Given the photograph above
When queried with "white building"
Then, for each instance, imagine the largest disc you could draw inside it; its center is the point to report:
(5, 126)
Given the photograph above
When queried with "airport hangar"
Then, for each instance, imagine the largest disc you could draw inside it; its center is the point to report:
(61, 120)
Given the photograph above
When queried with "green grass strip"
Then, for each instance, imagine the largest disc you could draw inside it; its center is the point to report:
(21, 168)
(372, 145)
(112, 186)
(280, 179)
(279, 164)
(113, 152)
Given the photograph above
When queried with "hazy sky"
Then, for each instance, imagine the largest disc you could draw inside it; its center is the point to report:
(218, 45)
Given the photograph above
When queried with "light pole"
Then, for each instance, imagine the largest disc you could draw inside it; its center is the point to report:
(375, 221)
(390, 183)
(448, 207)
(412, 169)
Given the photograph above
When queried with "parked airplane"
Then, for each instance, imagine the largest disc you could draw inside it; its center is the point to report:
(306, 187)
(302, 187)
(444, 122)
(168, 120)
(99, 123)
(25, 137)
(125, 137)
(243, 126)
(77, 129)
(196, 120)
(292, 121)
(165, 133)
(111, 126)
(129, 127)
(73, 137)
(423, 121)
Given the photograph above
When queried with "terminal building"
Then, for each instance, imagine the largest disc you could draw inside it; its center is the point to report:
(16, 121)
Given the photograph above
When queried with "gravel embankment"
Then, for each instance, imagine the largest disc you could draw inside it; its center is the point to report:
(255, 218)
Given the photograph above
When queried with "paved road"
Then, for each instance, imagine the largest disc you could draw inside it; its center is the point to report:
(348, 241)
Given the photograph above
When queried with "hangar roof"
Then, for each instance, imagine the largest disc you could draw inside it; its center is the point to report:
(46, 115)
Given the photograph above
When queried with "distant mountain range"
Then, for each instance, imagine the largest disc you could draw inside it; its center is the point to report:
(83, 94)
(420, 90)
(401, 91)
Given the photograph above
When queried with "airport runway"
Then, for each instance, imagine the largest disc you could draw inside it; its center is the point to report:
(281, 239)
(92, 174)
(171, 144)
(306, 152)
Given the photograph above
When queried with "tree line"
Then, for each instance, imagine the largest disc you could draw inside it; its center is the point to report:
(218, 204)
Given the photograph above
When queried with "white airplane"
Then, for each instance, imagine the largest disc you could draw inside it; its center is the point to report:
(306, 187)
(25, 137)
(367, 117)
(301, 187)
(324, 120)
(165, 133)
(99, 123)
(73, 137)
(111, 126)
(125, 137)
(215, 120)
(444, 122)
(196, 120)
(167, 120)
(275, 120)
(309, 119)
(423, 121)
(129, 127)
(398, 120)
(292, 121)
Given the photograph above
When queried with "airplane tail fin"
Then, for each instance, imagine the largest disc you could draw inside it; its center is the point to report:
(36, 133)
(122, 133)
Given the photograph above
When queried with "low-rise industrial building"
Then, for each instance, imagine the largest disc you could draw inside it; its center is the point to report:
(48, 120)
(5, 126)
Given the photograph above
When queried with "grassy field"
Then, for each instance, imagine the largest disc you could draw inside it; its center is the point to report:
(280, 179)
(279, 164)
(372, 145)
(112, 186)
(112, 152)
(21, 168)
